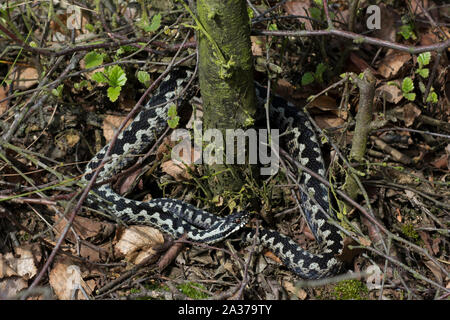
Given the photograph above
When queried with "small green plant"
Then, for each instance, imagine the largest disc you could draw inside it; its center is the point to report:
(310, 77)
(144, 78)
(152, 26)
(191, 290)
(407, 29)
(115, 77)
(93, 59)
(407, 87)
(57, 91)
(173, 117)
(407, 32)
(409, 231)
(423, 59)
(350, 290)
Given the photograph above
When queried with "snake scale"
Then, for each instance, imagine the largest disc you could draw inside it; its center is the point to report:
(177, 218)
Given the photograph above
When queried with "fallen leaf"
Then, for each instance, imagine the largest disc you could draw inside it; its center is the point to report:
(324, 103)
(399, 215)
(272, 256)
(86, 228)
(435, 245)
(410, 113)
(257, 45)
(3, 95)
(325, 122)
(299, 8)
(392, 63)
(298, 292)
(441, 162)
(111, 124)
(10, 287)
(359, 64)
(435, 270)
(391, 93)
(66, 281)
(22, 263)
(364, 241)
(7, 266)
(138, 242)
(24, 78)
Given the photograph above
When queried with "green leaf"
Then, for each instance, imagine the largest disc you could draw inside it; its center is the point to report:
(406, 31)
(407, 85)
(143, 77)
(81, 84)
(315, 13)
(113, 93)
(57, 91)
(117, 77)
(307, 78)
(89, 27)
(93, 59)
(273, 27)
(320, 69)
(423, 72)
(422, 87)
(154, 25)
(99, 77)
(172, 112)
(432, 97)
(173, 123)
(423, 59)
(410, 96)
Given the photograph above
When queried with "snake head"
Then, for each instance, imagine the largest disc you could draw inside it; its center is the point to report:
(226, 226)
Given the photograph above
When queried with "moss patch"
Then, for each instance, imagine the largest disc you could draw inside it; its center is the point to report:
(350, 290)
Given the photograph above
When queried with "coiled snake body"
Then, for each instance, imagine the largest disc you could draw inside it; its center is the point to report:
(177, 217)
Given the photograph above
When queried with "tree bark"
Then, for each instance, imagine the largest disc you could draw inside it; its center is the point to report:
(226, 78)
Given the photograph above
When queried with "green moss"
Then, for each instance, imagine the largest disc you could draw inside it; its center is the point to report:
(190, 289)
(350, 290)
(409, 231)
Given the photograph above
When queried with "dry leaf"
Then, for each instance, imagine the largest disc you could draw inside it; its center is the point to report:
(299, 8)
(22, 263)
(10, 287)
(392, 63)
(66, 281)
(3, 95)
(299, 292)
(364, 241)
(359, 64)
(435, 270)
(85, 228)
(138, 242)
(24, 78)
(7, 265)
(325, 122)
(111, 124)
(410, 113)
(257, 45)
(272, 256)
(324, 103)
(441, 162)
(391, 93)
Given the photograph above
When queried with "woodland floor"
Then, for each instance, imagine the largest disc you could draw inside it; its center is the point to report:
(56, 112)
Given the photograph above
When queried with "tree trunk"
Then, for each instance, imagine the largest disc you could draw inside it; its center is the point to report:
(226, 79)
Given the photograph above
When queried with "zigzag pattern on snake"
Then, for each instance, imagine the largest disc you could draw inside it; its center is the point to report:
(176, 217)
